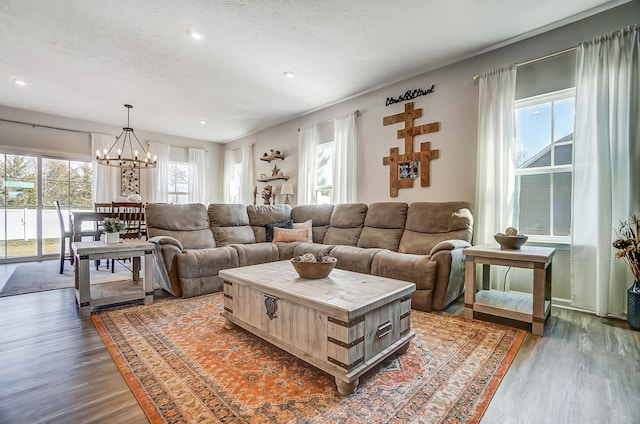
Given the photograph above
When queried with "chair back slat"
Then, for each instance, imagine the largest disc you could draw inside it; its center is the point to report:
(130, 213)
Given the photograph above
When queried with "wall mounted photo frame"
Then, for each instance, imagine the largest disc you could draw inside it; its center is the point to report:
(130, 181)
(408, 170)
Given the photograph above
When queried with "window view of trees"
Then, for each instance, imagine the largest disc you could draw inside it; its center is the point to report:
(324, 176)
(24, 201)
(178, 182)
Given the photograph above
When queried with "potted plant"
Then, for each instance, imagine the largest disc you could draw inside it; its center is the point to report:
(628, 248)
(112, 228)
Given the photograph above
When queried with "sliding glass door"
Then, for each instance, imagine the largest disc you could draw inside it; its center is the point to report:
(29, 226)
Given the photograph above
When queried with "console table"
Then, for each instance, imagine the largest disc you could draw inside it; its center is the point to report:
(534, 308)
(88, 295)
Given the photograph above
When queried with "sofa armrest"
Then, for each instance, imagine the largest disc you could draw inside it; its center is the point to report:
(164, 240)
(449, 245)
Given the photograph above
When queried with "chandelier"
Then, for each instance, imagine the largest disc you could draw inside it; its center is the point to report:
(123, 153)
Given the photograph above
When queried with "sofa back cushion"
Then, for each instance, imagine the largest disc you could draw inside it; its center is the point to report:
(384, 225)
(230, 224)
(189, 224)
(346, 224)
(430, 223)
(261, 215)
(320, 216)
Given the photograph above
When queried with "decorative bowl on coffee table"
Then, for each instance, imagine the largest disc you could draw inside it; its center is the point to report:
(314, 270)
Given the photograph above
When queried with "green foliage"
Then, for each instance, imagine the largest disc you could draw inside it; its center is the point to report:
(112, 225)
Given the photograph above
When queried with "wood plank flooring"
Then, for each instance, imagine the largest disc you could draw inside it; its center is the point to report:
(54, 368)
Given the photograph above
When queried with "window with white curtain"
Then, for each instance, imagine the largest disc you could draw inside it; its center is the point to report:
(325, 161)
(544, 165)
(178, 182)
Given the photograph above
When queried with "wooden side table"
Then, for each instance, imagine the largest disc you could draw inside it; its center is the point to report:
(533, 308)
(114, 291)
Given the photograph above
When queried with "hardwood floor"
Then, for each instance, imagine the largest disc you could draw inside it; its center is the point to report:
(54, 368)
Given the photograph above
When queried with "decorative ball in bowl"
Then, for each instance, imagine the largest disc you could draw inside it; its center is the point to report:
(510, 242)
(313, 266)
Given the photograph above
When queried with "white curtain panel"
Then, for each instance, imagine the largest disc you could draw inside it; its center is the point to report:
(345, 172)
(160, 174)
(196, 175)
(495, 179)
(606, 186)
(246, 176)
(106, 179)
(229, 186)
(308, 139)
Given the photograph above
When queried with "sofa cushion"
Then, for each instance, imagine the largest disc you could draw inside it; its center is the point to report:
(384, 225)
(354, 259)
(320, 216)
(230, 224)
(189, 224)
(269, 228)
(257, 253)
(308, 225)
(198, 269)
(346, 224)
(430, 223)
(261, 215)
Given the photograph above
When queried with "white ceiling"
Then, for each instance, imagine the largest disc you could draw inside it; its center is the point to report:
(86, 58)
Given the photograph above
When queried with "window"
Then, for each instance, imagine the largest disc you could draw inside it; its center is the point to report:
(178, 182)
(30, 184)
(544, 165)
(324, 173)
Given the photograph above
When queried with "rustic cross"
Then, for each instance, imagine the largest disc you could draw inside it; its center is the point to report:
(424, 156)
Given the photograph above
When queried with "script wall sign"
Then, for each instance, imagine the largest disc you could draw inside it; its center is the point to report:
(409, 95)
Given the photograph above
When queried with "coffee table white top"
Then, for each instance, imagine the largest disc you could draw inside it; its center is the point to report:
(351, 293)
(93, 247)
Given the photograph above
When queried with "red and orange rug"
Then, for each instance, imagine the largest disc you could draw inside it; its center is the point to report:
(183, 366)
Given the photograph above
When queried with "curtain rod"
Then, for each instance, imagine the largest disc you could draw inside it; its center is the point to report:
(355, 112)
(43, 126)
(537, 59)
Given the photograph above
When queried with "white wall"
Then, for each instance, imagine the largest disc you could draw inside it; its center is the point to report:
(21, 138)
(454, 105)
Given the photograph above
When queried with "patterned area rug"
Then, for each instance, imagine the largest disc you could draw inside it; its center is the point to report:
(183, 366)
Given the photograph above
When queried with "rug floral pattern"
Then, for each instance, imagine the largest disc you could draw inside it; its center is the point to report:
(184, 367)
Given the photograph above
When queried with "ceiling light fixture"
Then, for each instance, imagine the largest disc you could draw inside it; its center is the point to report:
(195, 34)
(289, 74)
(125, 155)
(203, 122)
(19, 82)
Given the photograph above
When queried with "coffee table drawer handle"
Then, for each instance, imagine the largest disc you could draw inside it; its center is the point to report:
(271, 303)
(384, 329)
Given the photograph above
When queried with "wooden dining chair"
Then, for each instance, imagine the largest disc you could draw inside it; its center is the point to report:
(64, 235)
(106, 208)
(130, 213)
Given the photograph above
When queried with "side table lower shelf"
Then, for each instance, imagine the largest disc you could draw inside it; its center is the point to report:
(511, 305)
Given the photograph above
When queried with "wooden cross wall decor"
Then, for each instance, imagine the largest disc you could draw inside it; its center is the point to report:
(409, 157)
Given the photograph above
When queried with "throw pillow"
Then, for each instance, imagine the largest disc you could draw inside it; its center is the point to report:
(286, 235)
(308, 224)
(269, 228)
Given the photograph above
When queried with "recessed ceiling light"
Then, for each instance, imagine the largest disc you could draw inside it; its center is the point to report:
(203, 122)
(289, 74)
(19, 82)
(195, 34)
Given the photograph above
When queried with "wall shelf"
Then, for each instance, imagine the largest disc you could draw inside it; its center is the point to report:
(271, 157)
(266, 180)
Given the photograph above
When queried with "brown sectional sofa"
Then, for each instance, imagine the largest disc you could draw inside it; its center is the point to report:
(420, 242)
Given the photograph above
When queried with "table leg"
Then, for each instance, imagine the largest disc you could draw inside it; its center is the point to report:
(486, 277)
(136, 267)
(83, 287)
(539, 283)
(345, 388)
(469, 288)
(147, 281)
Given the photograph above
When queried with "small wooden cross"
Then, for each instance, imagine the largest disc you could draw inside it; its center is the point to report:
(424, 156)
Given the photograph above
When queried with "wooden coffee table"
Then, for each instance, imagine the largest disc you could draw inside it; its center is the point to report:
(343, 324)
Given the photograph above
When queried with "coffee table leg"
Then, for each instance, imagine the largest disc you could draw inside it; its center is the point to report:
(229, 325)
(345, 388)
